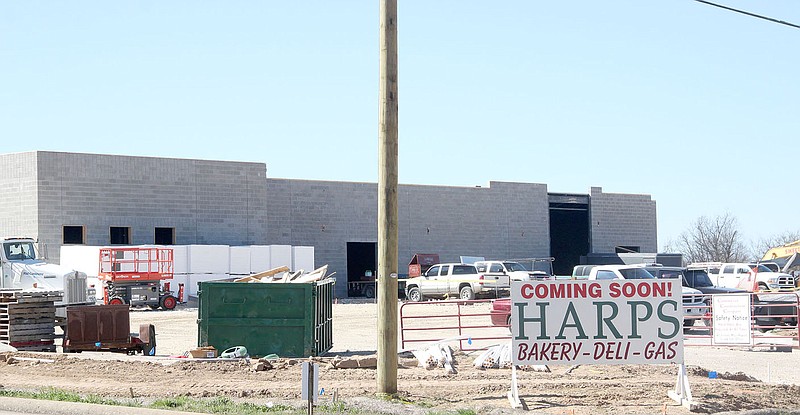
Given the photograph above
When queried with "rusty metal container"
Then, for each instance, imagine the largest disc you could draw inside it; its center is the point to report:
(420, 263)
(97, 325)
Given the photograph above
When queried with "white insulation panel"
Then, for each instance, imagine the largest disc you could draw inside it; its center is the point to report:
(303, 258)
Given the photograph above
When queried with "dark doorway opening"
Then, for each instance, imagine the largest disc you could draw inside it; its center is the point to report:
(362, 267)
(569, 235)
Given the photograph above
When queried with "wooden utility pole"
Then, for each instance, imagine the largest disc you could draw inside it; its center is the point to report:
(387, 202)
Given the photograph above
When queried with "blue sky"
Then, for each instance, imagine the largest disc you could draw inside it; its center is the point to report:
(694, 105)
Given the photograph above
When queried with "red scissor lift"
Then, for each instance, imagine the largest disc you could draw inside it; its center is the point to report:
(133, 276)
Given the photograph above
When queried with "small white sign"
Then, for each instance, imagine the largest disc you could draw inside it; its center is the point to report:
(731, 319)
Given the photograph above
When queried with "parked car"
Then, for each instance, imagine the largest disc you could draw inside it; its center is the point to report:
(581, 272)
(500, 313)
(748, 276)
(699, 280)
(446, 280)
(694, 302)
(514, 270)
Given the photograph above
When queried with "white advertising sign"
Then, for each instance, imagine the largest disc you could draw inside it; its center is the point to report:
(731, 319)
(596, 322)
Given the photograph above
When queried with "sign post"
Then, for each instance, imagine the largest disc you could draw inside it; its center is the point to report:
(597, 322)
(310, 384)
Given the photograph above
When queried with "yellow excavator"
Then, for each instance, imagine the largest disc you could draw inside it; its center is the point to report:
(786, 256)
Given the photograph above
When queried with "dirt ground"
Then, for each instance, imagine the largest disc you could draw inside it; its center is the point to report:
(631, 389)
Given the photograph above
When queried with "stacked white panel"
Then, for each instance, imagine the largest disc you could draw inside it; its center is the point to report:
(209, 259)
(280, 255)
(303, 258)
(180, 258)
(240, 260)
(81, 258)
(260, 258)
(193, 281)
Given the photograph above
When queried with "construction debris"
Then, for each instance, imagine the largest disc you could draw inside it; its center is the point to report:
(437, 355)
(205, 352)
(499, 357)
(285, 275)
(355, 362)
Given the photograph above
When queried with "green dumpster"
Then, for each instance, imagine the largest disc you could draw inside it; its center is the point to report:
(287, 319)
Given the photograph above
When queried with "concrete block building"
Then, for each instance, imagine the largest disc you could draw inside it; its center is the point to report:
(70, 198)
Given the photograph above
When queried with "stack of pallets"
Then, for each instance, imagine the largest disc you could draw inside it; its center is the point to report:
(27, 319)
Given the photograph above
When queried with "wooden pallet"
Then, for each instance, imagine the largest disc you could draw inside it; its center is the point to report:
(35, 345)
(28, 319)
(18, 296)
(7, 323)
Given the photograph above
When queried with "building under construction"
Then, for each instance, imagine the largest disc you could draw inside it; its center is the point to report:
(94, 199)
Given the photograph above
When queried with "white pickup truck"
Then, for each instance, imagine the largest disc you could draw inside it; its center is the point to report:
(747, 276)
(450, 280)
(694, 305)
(513, 270)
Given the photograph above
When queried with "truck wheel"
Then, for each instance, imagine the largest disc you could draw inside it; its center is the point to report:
(168, 302)
(369, 291)
(116, 301)
(147, 334)
(414, 294)
(466, 293)
(762, 287)
(687, 325)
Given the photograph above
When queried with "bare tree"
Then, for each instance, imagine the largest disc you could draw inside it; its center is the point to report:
(765, 244)
(711, 239)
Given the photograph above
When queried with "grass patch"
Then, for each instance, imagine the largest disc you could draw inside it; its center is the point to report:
(52, 394)
(218, 405)
(336, 408)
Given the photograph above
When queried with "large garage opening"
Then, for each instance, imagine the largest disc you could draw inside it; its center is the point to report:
(569, 231)
(362, 267)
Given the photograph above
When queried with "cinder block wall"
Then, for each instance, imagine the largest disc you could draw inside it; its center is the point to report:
(504, 220)
(18, 195)
(622, 219)
(220, 202)
(207, 202)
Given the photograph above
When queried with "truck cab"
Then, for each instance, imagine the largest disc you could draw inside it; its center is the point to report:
(752, 277)
(22, 269)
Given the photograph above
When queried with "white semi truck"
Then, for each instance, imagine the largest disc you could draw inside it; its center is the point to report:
(22, 269)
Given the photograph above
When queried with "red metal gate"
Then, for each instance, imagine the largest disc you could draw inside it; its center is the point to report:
(467, 321)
